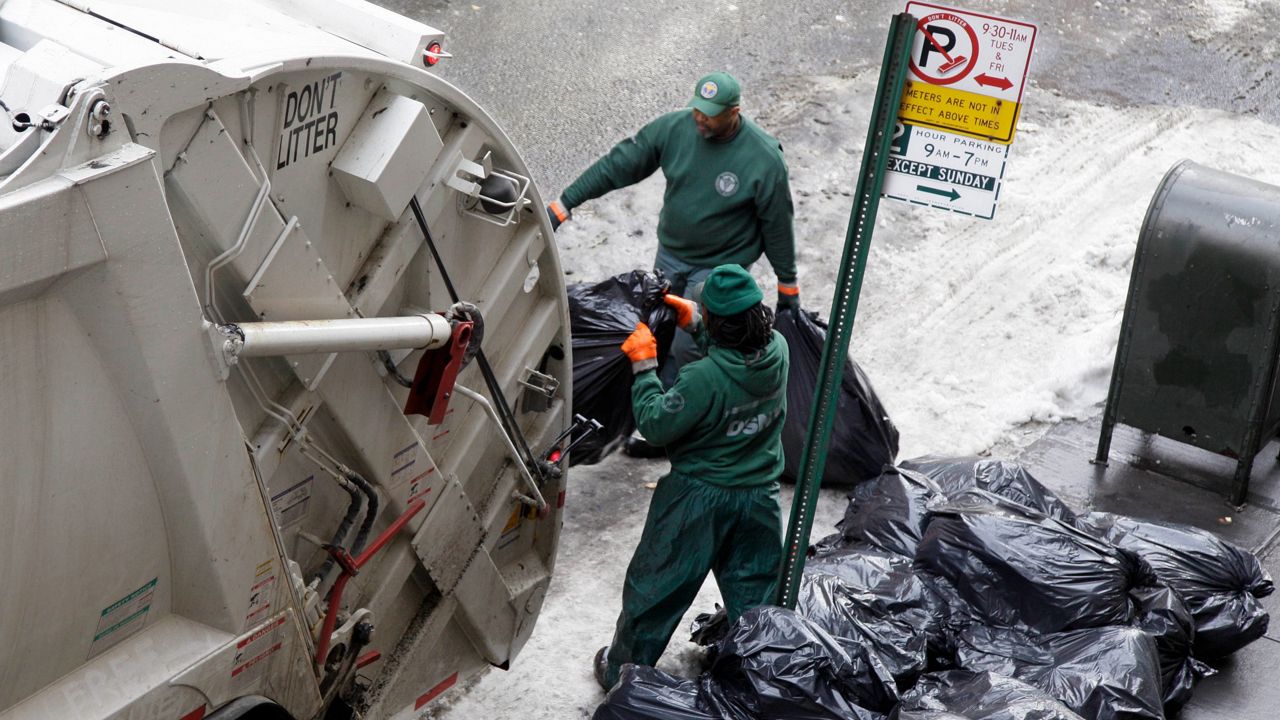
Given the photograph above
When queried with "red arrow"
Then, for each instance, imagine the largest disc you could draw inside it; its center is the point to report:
(1002, 83)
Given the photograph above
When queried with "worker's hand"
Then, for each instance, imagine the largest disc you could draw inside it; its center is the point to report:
(687, 315)
(558, 214)
(641, 349)
(788, 296)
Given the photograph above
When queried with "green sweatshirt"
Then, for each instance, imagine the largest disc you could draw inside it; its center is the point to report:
(726, 201)
(722, 420)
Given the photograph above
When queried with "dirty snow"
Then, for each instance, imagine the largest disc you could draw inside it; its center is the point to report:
(1221, 17)
(1035, 293)
(977, 334)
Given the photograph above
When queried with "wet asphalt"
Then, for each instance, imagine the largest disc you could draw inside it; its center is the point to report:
(568, 78)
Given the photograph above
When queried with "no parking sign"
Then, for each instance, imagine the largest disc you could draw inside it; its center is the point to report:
(960, 107)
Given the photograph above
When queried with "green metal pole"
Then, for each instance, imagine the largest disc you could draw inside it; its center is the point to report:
(844, 306)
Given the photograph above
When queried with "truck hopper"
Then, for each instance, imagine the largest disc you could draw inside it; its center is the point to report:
(237, 241)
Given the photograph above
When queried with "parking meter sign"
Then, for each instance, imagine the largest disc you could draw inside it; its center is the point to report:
(960, 107)
(944, 170)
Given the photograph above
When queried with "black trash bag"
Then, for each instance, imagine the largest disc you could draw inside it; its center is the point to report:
(829, 543)
(953, 616)
(978, 696)
(880, 601)
(1163, 615)
(1015, 567)
(709, 628)
(863, 438)
(890, 511)
(888, 576)
(900, 714)
(601, 317)
(775, 664)
(858, 619)
(885, 584)
(645, 693)
(1221, 583)
(1108, 673)
(1001, 477)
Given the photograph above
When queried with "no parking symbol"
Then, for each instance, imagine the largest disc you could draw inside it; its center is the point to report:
(948, 49)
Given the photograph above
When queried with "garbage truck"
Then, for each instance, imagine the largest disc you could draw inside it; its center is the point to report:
(284, 365)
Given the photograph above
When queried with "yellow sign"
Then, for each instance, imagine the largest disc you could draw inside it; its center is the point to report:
(959, 111)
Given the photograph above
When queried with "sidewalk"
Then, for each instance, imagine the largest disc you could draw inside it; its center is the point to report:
(1152, 478)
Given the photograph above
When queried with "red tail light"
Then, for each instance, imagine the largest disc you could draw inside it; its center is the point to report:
(432, 54)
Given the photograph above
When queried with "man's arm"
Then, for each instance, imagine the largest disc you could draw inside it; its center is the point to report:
(777, 228)
(663, 417)
(629, 162)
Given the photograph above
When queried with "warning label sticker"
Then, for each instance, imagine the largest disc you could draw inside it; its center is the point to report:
(253, 650)
(412, 472)
(404, 464)
(511, 531)
(261, 593)
(123, 617)
(291, 505)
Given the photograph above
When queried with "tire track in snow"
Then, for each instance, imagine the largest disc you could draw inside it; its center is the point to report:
(1011, 250)
(970, 328)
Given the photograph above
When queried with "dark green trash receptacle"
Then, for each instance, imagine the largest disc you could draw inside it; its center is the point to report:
(1196, 361)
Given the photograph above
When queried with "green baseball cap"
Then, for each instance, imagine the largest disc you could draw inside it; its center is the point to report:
(715, 93)
(729, 290)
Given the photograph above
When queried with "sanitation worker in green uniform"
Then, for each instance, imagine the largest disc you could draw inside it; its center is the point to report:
(717, 510)
(727, 199)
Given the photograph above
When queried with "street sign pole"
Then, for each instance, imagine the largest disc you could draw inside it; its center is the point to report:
(844, 306)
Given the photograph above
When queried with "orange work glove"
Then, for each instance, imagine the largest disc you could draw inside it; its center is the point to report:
(558, 214)
(788, 296)
(641, 348)
(687, 315)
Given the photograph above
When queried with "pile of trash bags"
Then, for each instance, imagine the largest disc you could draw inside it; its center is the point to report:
(963, 588)
(603, 314)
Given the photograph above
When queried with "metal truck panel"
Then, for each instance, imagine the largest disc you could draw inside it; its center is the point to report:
(134, 535)
(172, 496)
(370, 26)
(52, 209)
(377, 169)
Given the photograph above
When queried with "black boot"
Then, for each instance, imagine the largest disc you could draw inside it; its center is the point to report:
(601, 665)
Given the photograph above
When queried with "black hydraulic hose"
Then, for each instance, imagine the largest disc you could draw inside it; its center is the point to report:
(490, 379)
(370, 514)
(431, 245)
(353, 508)
(392, 370)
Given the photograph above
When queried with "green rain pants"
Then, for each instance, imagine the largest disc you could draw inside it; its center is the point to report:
(694, 527)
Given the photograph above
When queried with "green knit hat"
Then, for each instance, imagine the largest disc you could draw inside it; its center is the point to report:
(729, 290)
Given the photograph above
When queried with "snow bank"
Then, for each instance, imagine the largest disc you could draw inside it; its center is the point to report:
(968, 328)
